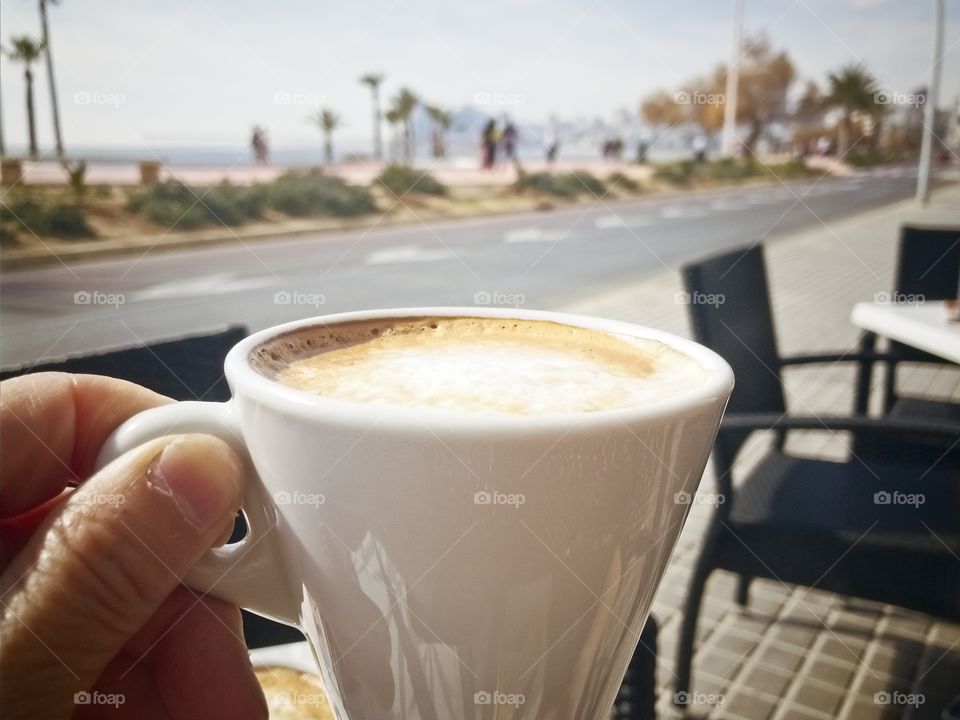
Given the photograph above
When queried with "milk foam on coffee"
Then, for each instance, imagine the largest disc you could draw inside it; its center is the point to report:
(479, 365)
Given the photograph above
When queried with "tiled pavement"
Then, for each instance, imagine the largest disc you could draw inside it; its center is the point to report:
(797, 652)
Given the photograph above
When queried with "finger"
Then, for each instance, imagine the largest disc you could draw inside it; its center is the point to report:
(188, 661)
(52, 426)
(110, 557)
(202, 668)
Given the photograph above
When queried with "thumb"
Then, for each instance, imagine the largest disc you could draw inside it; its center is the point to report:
(116, 549)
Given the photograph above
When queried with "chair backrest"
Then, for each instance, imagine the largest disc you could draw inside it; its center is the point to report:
(928, 266)
(730, 313)
(189, 368)
(928, 262)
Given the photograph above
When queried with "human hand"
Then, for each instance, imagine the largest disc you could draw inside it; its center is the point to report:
(90, 593)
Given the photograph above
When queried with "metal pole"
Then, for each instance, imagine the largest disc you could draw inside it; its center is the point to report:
(55, 107)
(3, 150)
(728, 146)
(930, 111)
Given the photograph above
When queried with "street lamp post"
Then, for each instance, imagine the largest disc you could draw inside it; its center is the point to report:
(728, 145)
(930, 110)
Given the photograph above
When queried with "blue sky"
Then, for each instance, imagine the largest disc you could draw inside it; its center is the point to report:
(203, 71)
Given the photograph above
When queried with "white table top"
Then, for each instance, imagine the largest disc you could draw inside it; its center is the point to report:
(920, 325)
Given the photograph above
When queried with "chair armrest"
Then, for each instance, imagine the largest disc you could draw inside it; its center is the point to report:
(815, 358)
(840, 423)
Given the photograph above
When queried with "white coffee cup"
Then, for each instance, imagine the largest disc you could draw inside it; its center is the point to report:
(448, 566)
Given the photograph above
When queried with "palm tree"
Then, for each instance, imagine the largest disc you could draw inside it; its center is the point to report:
(403, 106)
(328, 121)
(27, 50)
(393, 120)
(55, 107)
(442, 120)
(373, 80)
(852, 90)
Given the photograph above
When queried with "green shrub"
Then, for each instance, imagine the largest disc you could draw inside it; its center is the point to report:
(66, 220)
(587, 182)
(619, 181)
(403, 179)
(684, 172)
(792, 168)
(171, 205)
(675, 173)
(234, 204)
(40, 215)
(8, 235)
(76, 179)
(540, 182)
(303, 193)
(566, 185)
(868, 158)
(727, 169)
(174, 205)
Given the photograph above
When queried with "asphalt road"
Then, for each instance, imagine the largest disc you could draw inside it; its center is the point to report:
(540, 259)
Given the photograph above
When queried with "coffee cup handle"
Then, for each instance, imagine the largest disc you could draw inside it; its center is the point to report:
(248, 573)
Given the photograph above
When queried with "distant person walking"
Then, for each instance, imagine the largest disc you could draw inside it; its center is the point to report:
(488, 144)
(552, 146)
(258, 142)
(613, 149)
(509, 141)
(700, 149)
(643, 147)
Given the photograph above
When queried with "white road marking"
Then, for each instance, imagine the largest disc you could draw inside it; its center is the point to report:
(533, 234)
(764, 199)
(725, 204)
(609, 221)
(672, 212)
(203, 285)
(606, 222)
(406, 254)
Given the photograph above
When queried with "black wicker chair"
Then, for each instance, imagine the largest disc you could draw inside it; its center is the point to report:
(189, 368)
(928, 266)
(638, 692)
(838, 526)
